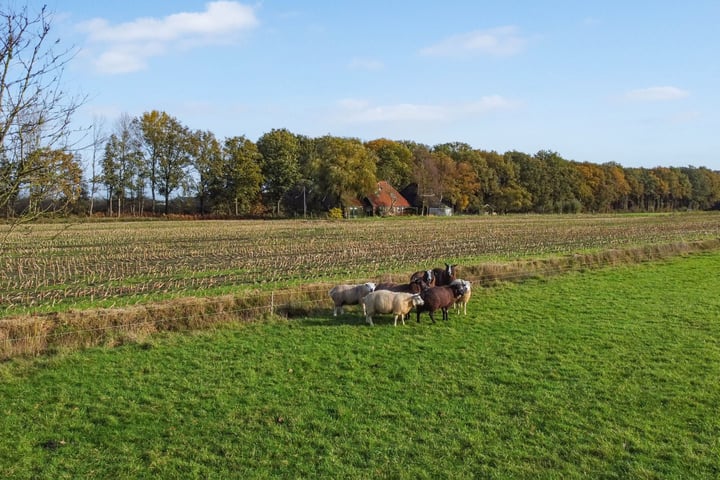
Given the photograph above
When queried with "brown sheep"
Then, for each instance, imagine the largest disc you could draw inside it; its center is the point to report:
(440, 298)
(444, 276)
(416, 285)
(426, 276)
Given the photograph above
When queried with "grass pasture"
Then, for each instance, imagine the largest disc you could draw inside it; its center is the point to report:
(608, 373)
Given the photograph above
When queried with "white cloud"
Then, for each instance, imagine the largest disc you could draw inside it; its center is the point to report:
(656, 94)
(359, 111)
(128, 58)
(501, 41)
(126, 47)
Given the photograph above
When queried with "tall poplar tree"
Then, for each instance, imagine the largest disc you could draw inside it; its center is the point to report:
(208, 162)
(280, 164)
(122, 164)
(168, 150)
(243, 178)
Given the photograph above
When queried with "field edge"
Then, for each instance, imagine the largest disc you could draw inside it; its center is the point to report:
(42, 334)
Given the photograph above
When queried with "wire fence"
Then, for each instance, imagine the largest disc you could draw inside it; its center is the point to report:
(43, 333)
(96, 262)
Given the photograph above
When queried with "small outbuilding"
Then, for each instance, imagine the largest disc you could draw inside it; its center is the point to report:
(442, 211)
(354, 209)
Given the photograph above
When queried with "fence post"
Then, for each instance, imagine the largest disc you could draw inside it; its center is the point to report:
(272, 303)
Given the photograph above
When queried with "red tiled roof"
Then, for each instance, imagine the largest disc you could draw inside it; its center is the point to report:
(387, 196)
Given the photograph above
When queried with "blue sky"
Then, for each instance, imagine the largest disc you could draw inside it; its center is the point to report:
(634, 82)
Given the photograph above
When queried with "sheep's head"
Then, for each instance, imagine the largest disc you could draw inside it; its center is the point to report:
(418, 285)
(429, 277)
(417, 300)
(458, 289)
(370, 286)
(464, 283)
(450, 270)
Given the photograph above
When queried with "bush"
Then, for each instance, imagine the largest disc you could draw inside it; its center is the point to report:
(335, 213)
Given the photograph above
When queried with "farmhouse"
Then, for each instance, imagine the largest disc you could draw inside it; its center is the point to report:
(386, 201)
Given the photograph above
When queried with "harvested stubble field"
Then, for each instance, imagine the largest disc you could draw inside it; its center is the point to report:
(128, 262)
(182, 274)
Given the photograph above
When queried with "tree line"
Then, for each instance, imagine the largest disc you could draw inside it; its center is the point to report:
(153, 164)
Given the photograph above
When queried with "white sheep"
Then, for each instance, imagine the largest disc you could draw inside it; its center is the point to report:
(349, 295)
(465, 298)
(386, 301)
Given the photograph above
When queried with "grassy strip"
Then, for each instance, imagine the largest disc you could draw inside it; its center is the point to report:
(80, 328)
(604, 374)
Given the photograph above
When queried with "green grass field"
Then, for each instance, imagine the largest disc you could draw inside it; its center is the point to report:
(611, 373)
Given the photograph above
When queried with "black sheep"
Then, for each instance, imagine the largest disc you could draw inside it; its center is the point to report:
(444, 276)
(426, 276)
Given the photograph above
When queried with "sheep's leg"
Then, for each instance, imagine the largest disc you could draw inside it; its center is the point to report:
(431, 316)
(445, 313)
(368, 319)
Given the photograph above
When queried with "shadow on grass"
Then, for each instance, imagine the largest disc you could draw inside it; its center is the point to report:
(324, 319)
(347, 319)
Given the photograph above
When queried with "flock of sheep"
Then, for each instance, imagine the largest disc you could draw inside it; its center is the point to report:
(427, 291)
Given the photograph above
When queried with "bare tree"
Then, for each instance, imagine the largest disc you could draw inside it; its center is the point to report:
(35, 112)
(99, 138)
(122, 164)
